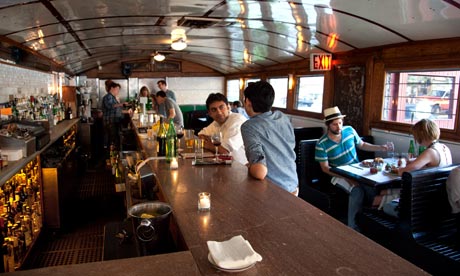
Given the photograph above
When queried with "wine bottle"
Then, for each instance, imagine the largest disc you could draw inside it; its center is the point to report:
(171, 142)
(68, 113)
(161, 138)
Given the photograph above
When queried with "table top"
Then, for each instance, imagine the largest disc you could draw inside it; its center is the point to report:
(292, 236)
(362, 174)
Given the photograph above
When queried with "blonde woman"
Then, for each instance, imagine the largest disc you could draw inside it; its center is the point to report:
(426, 133)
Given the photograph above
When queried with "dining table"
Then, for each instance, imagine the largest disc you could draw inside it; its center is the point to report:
(361, 173)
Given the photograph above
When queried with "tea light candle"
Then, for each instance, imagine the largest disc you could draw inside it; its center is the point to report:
(174, 165)
(204, 201)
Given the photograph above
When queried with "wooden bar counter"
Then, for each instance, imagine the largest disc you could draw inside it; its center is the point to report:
(292, 236)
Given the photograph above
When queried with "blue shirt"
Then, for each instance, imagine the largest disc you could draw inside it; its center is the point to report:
(338, 154)
(111, 113)
(269, 139)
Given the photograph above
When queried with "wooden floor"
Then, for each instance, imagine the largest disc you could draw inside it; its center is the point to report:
(80, 240)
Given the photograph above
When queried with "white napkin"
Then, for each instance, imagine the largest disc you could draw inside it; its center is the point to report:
(234, 253)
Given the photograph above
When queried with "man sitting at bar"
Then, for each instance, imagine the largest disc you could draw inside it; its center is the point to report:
(337, 147)
(228, 123)
(269, 139)
(171, 108)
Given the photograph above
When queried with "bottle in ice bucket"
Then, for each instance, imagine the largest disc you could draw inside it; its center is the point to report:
(411, 151)
(161, 138)
(171, 142)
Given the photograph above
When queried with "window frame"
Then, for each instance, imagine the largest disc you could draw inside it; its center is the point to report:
(295, 90)
(375, 97)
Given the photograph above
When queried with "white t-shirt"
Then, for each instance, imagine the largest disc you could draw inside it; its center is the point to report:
(231, 135)
(453, 189)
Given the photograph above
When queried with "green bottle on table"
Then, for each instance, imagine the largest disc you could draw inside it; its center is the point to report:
(421, 149)
(171, 142)
(411, 151)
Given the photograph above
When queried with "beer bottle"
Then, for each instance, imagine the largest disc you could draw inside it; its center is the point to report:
(411, 151)
(161, 138)
(171, 142)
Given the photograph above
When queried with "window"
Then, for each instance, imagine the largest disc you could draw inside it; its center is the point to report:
(411, 96)
(280, 85)
(247, 81)
(309, 93)
(233, 90)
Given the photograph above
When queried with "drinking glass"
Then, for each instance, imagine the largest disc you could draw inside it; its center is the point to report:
(179, 134)
(391, 150)
(216, 139)
(189, 138)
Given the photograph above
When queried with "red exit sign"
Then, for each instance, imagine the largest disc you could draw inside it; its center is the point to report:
(320, 62)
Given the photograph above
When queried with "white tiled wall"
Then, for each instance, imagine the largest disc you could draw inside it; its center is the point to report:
(195, 90)
(22, 82)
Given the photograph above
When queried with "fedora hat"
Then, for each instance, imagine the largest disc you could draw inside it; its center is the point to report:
(332, 113)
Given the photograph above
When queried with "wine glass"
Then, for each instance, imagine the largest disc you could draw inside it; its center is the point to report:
(216, 139)
(179, 134)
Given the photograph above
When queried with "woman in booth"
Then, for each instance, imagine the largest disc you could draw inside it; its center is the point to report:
(426, 133)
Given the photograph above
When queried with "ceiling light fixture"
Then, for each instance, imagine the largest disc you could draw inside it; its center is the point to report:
(178, 39)
(159, 57)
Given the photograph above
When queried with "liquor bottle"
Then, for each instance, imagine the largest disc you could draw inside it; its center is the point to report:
(118, 174)
(161, 138)
(68, 113)
(171, 142)
(411, 151)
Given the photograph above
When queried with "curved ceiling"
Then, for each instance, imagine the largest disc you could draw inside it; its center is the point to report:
(228, 36)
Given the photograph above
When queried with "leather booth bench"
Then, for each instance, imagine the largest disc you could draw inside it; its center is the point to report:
(425, 232)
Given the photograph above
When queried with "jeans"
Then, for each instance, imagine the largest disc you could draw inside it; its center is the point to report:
(358, 196)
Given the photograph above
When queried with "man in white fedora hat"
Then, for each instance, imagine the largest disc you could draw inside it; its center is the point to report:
(337, 147)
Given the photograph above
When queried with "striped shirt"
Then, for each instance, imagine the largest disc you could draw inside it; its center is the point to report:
(338, 154)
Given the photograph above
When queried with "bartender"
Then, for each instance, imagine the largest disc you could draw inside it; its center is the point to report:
(113, 115)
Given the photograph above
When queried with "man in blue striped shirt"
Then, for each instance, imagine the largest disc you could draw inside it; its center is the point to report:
(337, 147)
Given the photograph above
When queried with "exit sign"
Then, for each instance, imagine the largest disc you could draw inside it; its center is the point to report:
(320, 62)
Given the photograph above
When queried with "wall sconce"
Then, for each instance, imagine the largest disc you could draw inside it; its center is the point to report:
(178, 39)
(241, 83)
(291, 81)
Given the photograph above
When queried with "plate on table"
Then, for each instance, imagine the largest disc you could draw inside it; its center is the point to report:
(211, 260)
(367, 163)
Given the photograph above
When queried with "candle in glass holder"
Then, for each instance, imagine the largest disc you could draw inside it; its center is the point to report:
(174, 165)
(204, 201)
